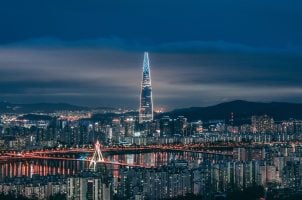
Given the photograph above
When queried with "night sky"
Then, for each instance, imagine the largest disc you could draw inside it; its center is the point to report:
(202, 52)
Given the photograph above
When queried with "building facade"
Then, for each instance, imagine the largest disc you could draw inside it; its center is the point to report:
(146, 101)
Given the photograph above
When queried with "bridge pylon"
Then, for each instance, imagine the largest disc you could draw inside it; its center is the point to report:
(97, 156)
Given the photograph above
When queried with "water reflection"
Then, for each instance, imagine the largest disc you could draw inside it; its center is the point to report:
(41, 167)
(60, 167)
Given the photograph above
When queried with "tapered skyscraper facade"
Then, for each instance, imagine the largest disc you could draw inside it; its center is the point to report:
(146, 101)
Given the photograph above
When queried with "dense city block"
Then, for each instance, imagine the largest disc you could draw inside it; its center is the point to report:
(45, 154)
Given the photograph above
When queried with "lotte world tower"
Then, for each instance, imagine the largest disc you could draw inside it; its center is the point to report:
(146, 101)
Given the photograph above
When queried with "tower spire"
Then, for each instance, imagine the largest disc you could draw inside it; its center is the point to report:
(146, 101)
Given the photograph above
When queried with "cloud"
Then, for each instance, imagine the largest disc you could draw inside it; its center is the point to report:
(85, 74)
(52, 42)
(117, 43)
(202, 52)
(220, 46)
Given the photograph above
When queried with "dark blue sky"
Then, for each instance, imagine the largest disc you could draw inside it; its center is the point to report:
(202, 51)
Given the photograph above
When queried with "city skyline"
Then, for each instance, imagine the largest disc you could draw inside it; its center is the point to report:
(150, 99)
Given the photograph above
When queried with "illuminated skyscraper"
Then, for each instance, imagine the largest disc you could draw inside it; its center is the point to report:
(146, 101)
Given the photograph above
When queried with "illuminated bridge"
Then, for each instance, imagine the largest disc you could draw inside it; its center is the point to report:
(95, 156)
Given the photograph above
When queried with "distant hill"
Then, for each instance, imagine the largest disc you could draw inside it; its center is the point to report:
(242, 110)
(6, 107)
